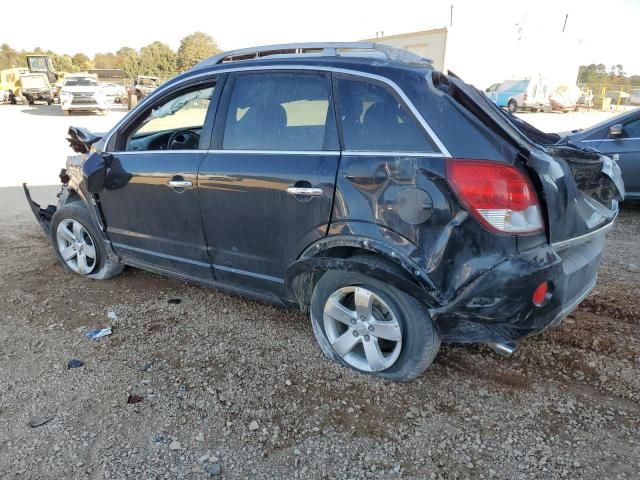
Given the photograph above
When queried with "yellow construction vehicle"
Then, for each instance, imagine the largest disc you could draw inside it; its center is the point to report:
(39, 63)
(10, 86)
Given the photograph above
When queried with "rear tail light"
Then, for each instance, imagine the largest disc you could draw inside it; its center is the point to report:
(541, 294)
(499, 196)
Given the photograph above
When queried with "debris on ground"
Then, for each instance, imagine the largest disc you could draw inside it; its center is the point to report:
(145, 367)
(133, 398)
(174, 301)
(213, 469)
(74, 363)
(98, 333)
(41, 421)
(253, 426)
(113, 316)
(175, 445)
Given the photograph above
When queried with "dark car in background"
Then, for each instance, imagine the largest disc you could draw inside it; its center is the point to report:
(397, 206)
(619, 138)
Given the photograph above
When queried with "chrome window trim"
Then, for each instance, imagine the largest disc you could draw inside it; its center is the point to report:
(277, 152)
(353, 153)
(367, 153)
(154, 152)
(323, 68)
(611, 139)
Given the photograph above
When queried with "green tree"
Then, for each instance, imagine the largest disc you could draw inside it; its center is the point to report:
(194, 48)
(122, 54)
(63, 63)
(104, 60)
(9, 58)
(157, 59)
(593, 74)
(81, 62)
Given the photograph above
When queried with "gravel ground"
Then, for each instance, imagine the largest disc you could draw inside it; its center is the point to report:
(234, 388)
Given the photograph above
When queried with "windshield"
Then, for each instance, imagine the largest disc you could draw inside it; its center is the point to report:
(81, 82)
(40, 64)
(513, 86)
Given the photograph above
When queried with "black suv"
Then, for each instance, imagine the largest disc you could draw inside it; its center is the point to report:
(395, 204)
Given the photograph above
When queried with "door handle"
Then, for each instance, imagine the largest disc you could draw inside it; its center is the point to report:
(306, 191)
(180, 183)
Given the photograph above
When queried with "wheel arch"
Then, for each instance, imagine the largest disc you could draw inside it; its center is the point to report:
(337, 253)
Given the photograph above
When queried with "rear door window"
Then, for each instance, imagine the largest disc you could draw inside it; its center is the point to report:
(374, 119)
(280, 111)
(632, 129)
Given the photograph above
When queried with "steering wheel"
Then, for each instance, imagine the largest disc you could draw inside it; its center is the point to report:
(183, 140)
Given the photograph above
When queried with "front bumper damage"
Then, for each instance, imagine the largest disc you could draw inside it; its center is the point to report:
(43, 215)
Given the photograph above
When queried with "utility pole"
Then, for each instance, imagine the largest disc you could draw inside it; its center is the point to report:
(565, 22)
(451, 16)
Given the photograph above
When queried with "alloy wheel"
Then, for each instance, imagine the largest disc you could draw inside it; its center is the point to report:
(76, 246)
(362, 329)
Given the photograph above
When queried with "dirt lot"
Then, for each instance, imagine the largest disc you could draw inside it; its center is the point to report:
(234, 386)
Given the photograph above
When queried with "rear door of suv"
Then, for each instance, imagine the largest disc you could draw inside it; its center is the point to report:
(266, 188)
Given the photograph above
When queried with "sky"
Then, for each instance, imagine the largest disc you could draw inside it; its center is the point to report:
(486, 34)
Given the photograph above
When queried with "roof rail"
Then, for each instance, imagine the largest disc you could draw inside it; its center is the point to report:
(326, 49)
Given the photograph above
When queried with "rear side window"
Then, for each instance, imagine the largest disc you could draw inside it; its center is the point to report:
(374, 119)
(280, 111)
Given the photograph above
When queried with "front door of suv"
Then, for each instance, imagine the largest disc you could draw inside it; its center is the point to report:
(266, 190)
(150, 202)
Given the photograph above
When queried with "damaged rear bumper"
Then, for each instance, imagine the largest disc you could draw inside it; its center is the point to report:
(43, 215)
(498, 306)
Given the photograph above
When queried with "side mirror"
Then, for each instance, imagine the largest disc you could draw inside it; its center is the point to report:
(94, 171)
(616, 130)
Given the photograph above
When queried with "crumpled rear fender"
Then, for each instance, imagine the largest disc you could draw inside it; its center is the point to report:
(303, 274)
(320, 257)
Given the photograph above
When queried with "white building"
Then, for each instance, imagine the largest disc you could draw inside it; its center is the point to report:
(509, 54)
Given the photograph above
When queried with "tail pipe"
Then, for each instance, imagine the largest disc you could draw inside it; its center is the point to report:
(504, 349)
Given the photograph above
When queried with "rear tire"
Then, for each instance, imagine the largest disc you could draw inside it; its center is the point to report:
(512, 106)
(79, 245)
(397, 340)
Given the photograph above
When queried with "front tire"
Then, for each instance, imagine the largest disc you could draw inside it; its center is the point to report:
(512, 106)
(370, 326)
(79, 245)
